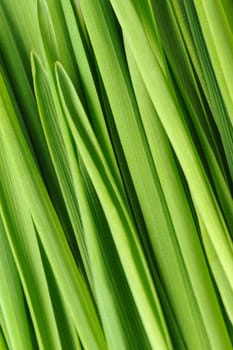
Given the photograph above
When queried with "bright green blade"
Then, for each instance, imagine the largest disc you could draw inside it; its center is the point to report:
(219, 242)
(118, 219)
(33, 280)
(86, 66)
(219, 41)
(66, 328)
(213, 68)
(116, 173)
(38, 219)
(195, 279)
(56, 39)
(113, 287)
(20, 87)
(197, 116)
(65, 161)
(59, 144)
(12, 303)
(21, 16)
(3, 344)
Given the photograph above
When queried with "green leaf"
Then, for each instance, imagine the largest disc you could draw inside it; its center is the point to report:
(3, 343)
(21, 181)
(60, 145)
(119, 221)
(33, 280)
(195, 295)
(11, 297)
(215, 232)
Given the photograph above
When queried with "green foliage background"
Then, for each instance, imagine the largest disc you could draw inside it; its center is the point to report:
(116, 174)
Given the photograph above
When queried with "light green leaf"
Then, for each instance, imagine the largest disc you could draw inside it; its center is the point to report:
(123, 232)
(20, 180)
(169, 114)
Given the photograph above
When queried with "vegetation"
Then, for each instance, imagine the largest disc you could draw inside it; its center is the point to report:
(116, 174)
